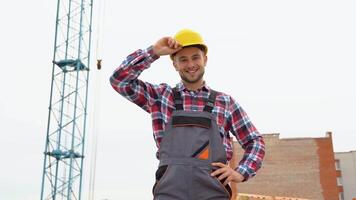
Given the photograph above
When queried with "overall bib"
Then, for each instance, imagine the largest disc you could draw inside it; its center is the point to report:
(191, 143)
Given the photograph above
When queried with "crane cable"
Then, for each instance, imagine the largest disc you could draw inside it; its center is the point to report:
(95, 134)
(97, 95)
(100, 22)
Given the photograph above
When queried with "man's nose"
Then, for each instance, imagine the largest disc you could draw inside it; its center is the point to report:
(190, 64)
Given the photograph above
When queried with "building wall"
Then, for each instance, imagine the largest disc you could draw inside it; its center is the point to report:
(347, 161)
(297, 167)
(327, 167)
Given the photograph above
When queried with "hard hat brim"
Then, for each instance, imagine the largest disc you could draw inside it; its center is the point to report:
(202, 47)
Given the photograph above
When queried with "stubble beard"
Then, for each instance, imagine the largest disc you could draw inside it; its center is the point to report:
(196, 80)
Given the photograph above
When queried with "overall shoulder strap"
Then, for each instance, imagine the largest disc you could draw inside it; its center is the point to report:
(211, 101)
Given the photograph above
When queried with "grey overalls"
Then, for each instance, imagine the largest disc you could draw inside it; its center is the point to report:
(191, 143)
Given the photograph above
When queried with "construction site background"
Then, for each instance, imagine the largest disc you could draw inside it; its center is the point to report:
(293, 169)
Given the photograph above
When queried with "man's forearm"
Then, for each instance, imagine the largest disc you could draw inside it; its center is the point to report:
(252, 158)
(131, 68)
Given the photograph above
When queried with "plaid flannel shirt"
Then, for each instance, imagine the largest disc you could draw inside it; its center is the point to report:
(158, 101)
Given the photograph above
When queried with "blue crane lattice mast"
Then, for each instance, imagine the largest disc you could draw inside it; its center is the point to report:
(64, 149)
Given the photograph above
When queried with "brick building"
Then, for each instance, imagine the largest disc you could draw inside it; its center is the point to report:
(294, 167)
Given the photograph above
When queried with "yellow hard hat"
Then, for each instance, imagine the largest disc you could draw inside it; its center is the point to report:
(187, 37)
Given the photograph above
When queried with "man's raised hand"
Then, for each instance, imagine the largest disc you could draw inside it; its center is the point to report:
(166, 46)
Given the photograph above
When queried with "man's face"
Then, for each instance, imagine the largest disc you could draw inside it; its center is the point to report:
(190, 63)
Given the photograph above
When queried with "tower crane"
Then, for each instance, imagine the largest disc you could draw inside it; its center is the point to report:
(66, 127)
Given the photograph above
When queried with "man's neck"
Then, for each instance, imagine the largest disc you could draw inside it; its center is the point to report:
(193, 86)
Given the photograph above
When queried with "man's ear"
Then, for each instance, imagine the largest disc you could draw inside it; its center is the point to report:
(175, 64)
(205, 59)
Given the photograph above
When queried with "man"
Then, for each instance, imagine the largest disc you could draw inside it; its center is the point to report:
(191, 122)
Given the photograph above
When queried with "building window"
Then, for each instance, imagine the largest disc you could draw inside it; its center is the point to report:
(337, 164)
(339, 181)
(341, 196)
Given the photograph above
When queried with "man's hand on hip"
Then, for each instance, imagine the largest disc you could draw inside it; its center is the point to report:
(225, 171)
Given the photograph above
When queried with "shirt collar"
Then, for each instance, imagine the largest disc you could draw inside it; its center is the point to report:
(181, 87)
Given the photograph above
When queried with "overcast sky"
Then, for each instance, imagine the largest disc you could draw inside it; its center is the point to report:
(290, 64)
